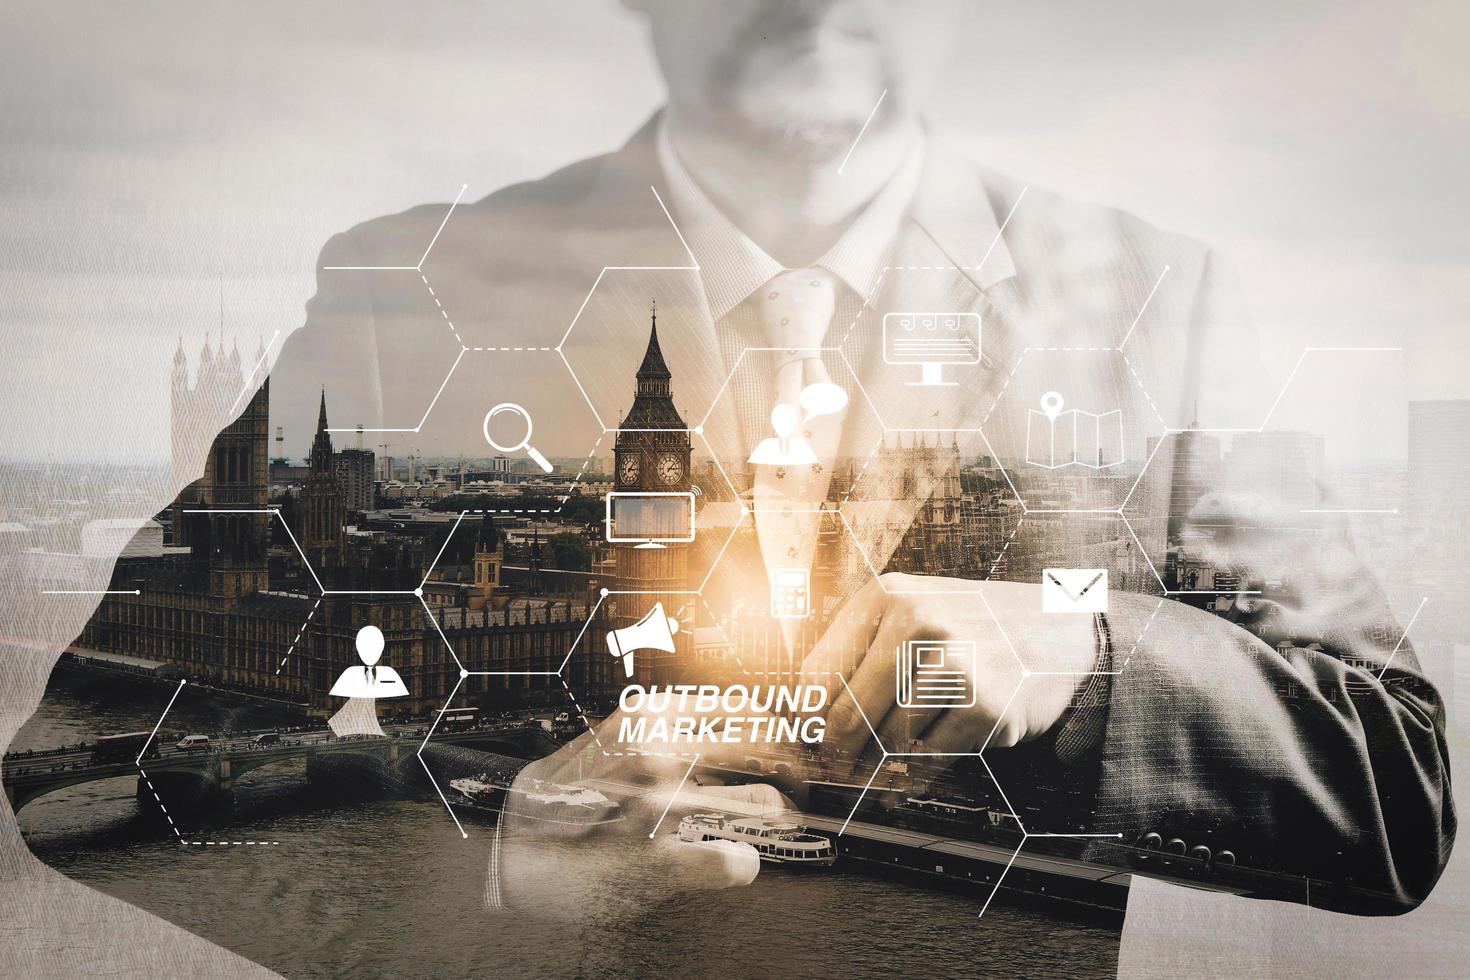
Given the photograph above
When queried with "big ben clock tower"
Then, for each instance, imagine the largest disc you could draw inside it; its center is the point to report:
(652, 455)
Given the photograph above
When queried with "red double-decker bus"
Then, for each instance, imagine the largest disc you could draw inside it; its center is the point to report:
(124, 748)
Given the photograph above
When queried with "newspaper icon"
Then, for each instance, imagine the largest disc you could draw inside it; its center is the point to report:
(1056, 438)
(936, 674)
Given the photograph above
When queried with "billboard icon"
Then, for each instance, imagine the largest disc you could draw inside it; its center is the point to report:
(931, 340)
(1057, 438)
(936, 674)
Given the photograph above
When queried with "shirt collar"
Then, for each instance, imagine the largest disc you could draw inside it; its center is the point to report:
(732, 266)
(958, 211)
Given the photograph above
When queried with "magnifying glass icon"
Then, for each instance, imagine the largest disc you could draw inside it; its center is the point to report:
(525, 442)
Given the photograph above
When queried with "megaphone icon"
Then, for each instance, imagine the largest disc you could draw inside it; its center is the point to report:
(654, 631)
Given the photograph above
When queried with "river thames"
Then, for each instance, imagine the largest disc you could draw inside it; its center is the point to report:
(363, 885)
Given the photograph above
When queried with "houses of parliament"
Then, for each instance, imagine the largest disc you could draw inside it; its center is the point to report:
(231, 605)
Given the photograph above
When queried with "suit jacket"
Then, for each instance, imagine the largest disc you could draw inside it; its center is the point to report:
(1295, 732)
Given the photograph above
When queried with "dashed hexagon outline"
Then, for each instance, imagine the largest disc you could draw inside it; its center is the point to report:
(1000, 393)
(566, 334)
(576, 479)
(178, 834)
(867, 559)
(417, 268)
(977, 754)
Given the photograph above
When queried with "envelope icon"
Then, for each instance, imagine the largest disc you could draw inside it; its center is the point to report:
(1074, 590)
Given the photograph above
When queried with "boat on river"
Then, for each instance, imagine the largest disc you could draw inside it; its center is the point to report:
(777, 842)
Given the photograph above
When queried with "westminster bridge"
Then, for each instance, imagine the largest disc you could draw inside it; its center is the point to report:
(28, 777)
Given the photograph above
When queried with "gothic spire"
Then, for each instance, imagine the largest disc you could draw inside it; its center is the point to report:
(321, 446)
(653, 402)
(653, 365)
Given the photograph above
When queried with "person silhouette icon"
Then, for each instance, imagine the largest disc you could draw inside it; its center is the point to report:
(785, 448)
(363, 686)
(370, 680)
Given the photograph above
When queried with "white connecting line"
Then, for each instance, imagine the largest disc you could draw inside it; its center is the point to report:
(878, 765)
(692, 267)
(265, 352)
(1403, 636)
(419, 268)
(91, 592)
(675, 795)
(159, 799)
(866, 123)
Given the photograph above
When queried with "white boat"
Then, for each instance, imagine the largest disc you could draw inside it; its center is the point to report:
(777, 843)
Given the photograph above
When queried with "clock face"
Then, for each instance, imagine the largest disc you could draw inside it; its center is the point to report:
(628, 469)
(670, 468)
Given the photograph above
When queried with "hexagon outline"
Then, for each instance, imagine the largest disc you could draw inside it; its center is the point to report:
(284, 523)
(978, 754)
(581, 471)
(1020, 359)
(622, 268)
(418, 267)
(425, 743)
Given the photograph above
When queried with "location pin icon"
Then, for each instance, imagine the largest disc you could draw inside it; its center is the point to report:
(1051, 404)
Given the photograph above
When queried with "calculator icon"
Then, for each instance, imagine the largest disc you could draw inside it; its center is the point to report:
(791, 593)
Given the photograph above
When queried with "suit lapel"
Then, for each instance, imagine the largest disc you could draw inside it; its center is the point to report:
(622, 233)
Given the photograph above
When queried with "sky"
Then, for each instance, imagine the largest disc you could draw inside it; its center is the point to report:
(160, 162)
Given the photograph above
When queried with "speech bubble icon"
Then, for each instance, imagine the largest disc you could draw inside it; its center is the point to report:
(822, 398)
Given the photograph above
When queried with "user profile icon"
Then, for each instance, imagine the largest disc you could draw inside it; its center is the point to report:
(369, 680)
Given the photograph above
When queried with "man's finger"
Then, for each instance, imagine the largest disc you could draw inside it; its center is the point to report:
(868, 697)
(847, 639)
(902, 725)
(964, 731)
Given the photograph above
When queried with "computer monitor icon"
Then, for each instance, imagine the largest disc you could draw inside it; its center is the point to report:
(931, 340)
(651, 518)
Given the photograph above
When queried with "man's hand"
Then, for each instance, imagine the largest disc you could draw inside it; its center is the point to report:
(1056, 652)
(610, 873)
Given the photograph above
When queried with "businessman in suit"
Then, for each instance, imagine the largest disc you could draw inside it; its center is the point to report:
(770, 206)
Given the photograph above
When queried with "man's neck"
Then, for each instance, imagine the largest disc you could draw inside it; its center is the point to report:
(794, 208)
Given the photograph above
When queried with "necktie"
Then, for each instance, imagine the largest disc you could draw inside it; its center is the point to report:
(793, 465)
(796, 309)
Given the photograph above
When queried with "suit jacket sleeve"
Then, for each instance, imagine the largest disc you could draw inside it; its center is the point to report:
(1292, 728)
